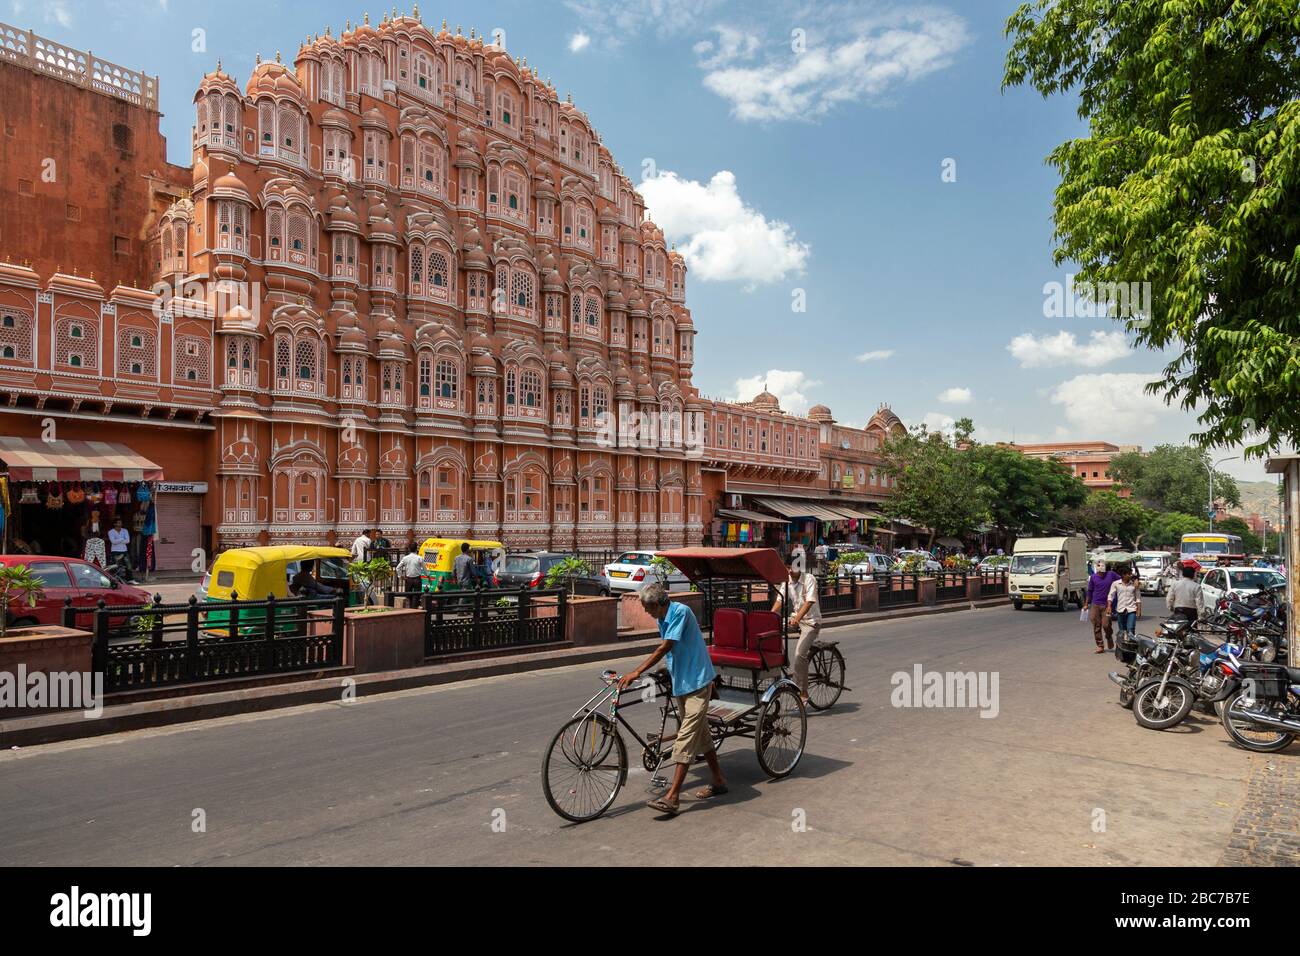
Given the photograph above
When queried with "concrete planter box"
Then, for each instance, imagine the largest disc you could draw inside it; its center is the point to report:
(633, 617)
(43, 649)
(927, 594)
(592, 620)
(380, 640)
(866, 596)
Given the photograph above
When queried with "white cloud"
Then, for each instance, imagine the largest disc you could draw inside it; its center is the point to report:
(938, 422)
(579, 42)
(1063, 348)
(57, 10)
(787, 386)
(733, 45)
(1114, 405)
(878, 355)
(858, 59)
(615, 22)
(721, 237)
(956, 396)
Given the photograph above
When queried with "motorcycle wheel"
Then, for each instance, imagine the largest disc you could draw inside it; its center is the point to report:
(1261, 740)
(1155, 713)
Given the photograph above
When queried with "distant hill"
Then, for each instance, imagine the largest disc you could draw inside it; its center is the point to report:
(1258, 497)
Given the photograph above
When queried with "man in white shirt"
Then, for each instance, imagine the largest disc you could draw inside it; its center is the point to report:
(410, 568)
(800, 590)
(360, 545)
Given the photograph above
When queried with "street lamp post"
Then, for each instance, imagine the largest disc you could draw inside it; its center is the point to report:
(1210, 469)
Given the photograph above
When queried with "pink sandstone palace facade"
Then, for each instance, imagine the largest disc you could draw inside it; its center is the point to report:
(403, 285)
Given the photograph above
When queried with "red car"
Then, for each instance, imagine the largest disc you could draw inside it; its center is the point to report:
(67, 578)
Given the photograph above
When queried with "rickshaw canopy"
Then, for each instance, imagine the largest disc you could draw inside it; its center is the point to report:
(446, 549)
(256, 572)
(738, 564)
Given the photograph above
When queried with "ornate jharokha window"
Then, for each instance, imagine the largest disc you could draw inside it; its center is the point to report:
(609, 245)
(232, 225)
(280, 131)
(191, 360)
(593, 498)
(486, 398)
(345, 256)
(240, 369)
(523, 393)
(76, 344)
(291, 235)
(468, 179)
(525, 494)
(476, 291)
(352, 378)
(618, 329)
(219, 121)
(338, 149)
(563, 407)
(517, 285)
(586, 236)
(554, 311)
(15, 337)
(447, 384)
(678, 279)
(331, 85)
(375, 167)
(546, 217)
(390, 392)
(299, 363)
(591, 311)
(385, 258)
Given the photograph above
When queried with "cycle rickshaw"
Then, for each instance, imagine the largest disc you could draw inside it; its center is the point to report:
(586, 764)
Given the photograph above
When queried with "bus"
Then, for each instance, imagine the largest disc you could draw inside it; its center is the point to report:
(1212, 547)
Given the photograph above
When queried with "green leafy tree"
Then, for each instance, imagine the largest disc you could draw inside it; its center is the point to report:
(938, 484)
(1186, 181)
(567, 573)
(1025, 495)
(1105, 516)
(1166, 529)
(17, 583)
(1174, 478)
(371, 576)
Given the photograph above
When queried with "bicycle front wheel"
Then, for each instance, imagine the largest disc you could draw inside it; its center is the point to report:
(584, 768)
(825, 678)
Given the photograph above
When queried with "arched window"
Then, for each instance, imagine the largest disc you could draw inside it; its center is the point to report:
(448, 379)
(530, 389)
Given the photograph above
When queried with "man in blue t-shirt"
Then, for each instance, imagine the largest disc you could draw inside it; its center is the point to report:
(692, 679)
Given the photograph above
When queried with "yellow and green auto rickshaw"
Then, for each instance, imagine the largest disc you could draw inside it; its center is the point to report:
(439, 556)
(253, 574)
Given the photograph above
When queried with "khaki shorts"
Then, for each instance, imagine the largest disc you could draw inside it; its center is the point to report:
(693, 738)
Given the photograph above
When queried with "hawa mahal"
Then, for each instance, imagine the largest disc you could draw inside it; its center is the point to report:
(403, 285)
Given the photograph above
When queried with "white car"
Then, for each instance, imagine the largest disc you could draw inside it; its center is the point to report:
(930, 563)
(631, 570)
(872, 563)
(1242, 581)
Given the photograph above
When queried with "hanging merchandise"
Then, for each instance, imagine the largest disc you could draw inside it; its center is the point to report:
(142, 493)
(94, 495)
(150, 520)
(29, 496)
(94, 553)
(76, 495)
(55, 500)
(110, 495)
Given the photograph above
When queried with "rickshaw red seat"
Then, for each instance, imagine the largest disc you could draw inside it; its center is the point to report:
(747, 640)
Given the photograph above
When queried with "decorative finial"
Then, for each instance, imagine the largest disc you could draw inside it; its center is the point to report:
(444, 24)
(277, 56)
(347, 26)
(259, 59)
(218, 64)
(367, 19)
(416, 12)
(471, 33)
(458, 29)
(568, 97)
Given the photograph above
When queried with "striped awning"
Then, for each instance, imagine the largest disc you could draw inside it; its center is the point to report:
(794, 508)
(741, 514)
(32, 459)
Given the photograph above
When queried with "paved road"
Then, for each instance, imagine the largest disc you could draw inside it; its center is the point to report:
(419, 777)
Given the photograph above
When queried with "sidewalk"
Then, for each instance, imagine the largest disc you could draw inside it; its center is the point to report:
(250, 695)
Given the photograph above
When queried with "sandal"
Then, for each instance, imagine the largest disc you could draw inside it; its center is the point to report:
(712, 790)
(663, 806)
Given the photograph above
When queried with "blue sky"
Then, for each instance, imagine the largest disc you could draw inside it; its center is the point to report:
(788, 147)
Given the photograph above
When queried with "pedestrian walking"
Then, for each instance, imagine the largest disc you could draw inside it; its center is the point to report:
(360, 545)
(410, 568)
(799, 593)
(1184, 597)
(691, 673)
(1098, 606)
(1126, 598)
(463, 567)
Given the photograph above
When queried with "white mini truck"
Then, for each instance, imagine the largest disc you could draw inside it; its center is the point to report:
(1048, 572)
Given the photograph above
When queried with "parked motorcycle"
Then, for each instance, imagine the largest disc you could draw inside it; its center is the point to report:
(1189, 669)
(1263, 715)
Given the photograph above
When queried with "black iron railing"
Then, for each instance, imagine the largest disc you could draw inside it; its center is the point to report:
(156, 645)
(835, 593)
(897, 589)
(950, 585)
(993, 582)
(461, 621)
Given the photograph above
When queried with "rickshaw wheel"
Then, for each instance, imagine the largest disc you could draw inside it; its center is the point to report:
(825, 678)
(781, 732)
(584, 768)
